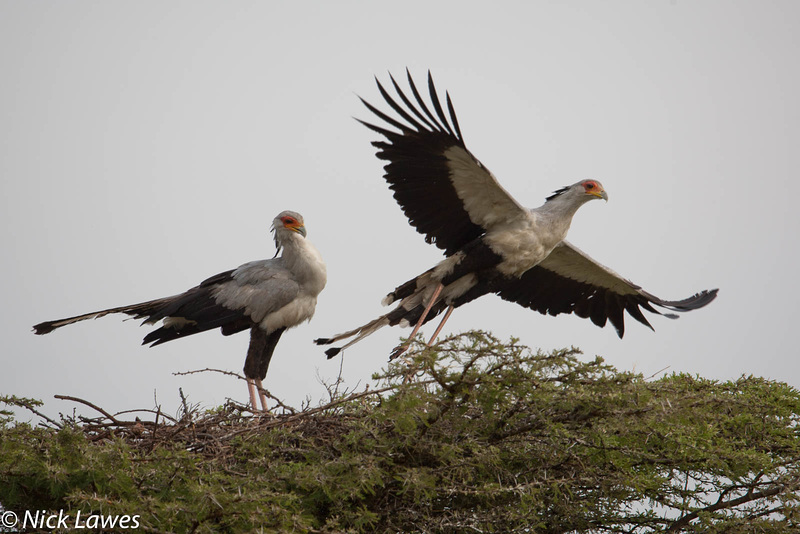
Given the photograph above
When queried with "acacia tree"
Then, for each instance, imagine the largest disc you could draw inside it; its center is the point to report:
(473, 435)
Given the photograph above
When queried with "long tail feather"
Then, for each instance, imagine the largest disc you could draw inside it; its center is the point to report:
(414, 296)
(361, 332)
(137, 311)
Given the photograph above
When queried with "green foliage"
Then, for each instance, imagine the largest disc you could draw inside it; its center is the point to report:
(487, 437)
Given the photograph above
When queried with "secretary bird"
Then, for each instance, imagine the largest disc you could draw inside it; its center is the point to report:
(266, 297)
(491, 242)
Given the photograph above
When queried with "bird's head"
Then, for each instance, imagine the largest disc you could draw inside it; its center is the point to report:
(286, 224)
(291, 221)
(594, 189)
(580, 192)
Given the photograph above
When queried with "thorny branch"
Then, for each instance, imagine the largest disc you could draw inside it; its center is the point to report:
(490, 427)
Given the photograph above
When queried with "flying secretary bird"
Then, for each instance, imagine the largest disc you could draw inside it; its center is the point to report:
(266, 297)
(491, 242)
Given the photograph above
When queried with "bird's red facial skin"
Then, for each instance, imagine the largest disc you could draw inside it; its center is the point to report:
(593, 188)
(293, 224)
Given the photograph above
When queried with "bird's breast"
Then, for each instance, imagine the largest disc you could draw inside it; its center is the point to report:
(299, 310)
(521, 248)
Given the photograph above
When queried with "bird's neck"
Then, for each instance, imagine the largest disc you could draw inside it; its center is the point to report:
(303, 259)
(559, 211)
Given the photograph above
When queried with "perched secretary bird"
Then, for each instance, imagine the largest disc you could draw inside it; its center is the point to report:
(492, 243)
(266, 297)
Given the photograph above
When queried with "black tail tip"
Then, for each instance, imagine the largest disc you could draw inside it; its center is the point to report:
(43, 328)
(332, 352)
(398, 351)
(323, 341)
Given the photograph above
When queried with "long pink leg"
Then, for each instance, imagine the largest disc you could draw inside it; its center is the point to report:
(261, 395)
(404, 347)
(251, 389)
(441, 324)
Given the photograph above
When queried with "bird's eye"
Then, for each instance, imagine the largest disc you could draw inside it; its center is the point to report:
(288, 220)
(590, 185)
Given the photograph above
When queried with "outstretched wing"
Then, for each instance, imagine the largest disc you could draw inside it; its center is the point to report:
(569, 281)
(446, 193)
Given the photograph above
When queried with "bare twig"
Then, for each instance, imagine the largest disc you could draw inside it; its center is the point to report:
(90, 405)
(747, 497)
(209, 370)
(158, 413)
(30, 408)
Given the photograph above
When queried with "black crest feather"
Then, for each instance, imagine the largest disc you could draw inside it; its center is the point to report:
(558, 192)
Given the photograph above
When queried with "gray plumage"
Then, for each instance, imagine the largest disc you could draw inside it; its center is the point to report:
(266, 297)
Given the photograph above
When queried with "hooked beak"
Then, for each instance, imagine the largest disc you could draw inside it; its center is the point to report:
(299, 228)
(600, 194)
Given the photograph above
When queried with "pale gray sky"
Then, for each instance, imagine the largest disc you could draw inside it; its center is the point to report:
(146, 146)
